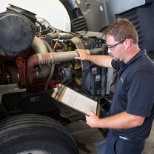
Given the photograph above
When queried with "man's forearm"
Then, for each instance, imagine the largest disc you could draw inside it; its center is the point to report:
(101, 60)
(120, 121)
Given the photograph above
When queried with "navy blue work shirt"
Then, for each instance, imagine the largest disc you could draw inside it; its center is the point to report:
(134, 93)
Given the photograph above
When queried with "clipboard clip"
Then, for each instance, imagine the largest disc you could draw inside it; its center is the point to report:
(58, 91)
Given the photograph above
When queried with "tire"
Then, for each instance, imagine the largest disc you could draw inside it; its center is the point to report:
(35, 134)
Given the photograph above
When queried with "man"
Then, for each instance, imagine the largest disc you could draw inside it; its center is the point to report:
(132, 107)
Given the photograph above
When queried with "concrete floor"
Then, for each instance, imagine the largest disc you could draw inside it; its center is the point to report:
(86, 137)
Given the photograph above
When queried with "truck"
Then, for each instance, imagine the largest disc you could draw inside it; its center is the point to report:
(35, 57)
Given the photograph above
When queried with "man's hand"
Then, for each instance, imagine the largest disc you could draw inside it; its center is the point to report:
(82, 54)
(92, 120)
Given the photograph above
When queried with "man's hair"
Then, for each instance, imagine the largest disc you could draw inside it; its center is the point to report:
(122, 29)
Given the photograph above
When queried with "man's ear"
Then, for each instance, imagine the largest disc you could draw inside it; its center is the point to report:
(128, 42)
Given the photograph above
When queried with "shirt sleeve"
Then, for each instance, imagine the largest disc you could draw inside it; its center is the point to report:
(116, 64)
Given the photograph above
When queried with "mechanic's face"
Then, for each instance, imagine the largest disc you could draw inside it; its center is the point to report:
(115, 49)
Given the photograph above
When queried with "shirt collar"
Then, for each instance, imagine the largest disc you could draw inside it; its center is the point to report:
(138, 55)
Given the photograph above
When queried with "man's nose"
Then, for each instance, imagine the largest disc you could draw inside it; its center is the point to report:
(109, 51)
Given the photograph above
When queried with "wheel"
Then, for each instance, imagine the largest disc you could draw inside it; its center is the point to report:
(35, 134)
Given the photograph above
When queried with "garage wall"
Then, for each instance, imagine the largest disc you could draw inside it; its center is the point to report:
(51, 10)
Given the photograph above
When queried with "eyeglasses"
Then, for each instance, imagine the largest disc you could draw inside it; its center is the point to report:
(112, 46)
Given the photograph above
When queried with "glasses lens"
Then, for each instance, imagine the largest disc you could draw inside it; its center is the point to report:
(112, 46)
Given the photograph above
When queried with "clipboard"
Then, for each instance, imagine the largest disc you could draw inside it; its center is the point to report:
(75, 100)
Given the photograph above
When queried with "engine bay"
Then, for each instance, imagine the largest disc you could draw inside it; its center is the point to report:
(35, 57)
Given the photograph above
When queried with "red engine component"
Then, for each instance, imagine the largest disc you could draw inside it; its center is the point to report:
(14, 70)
